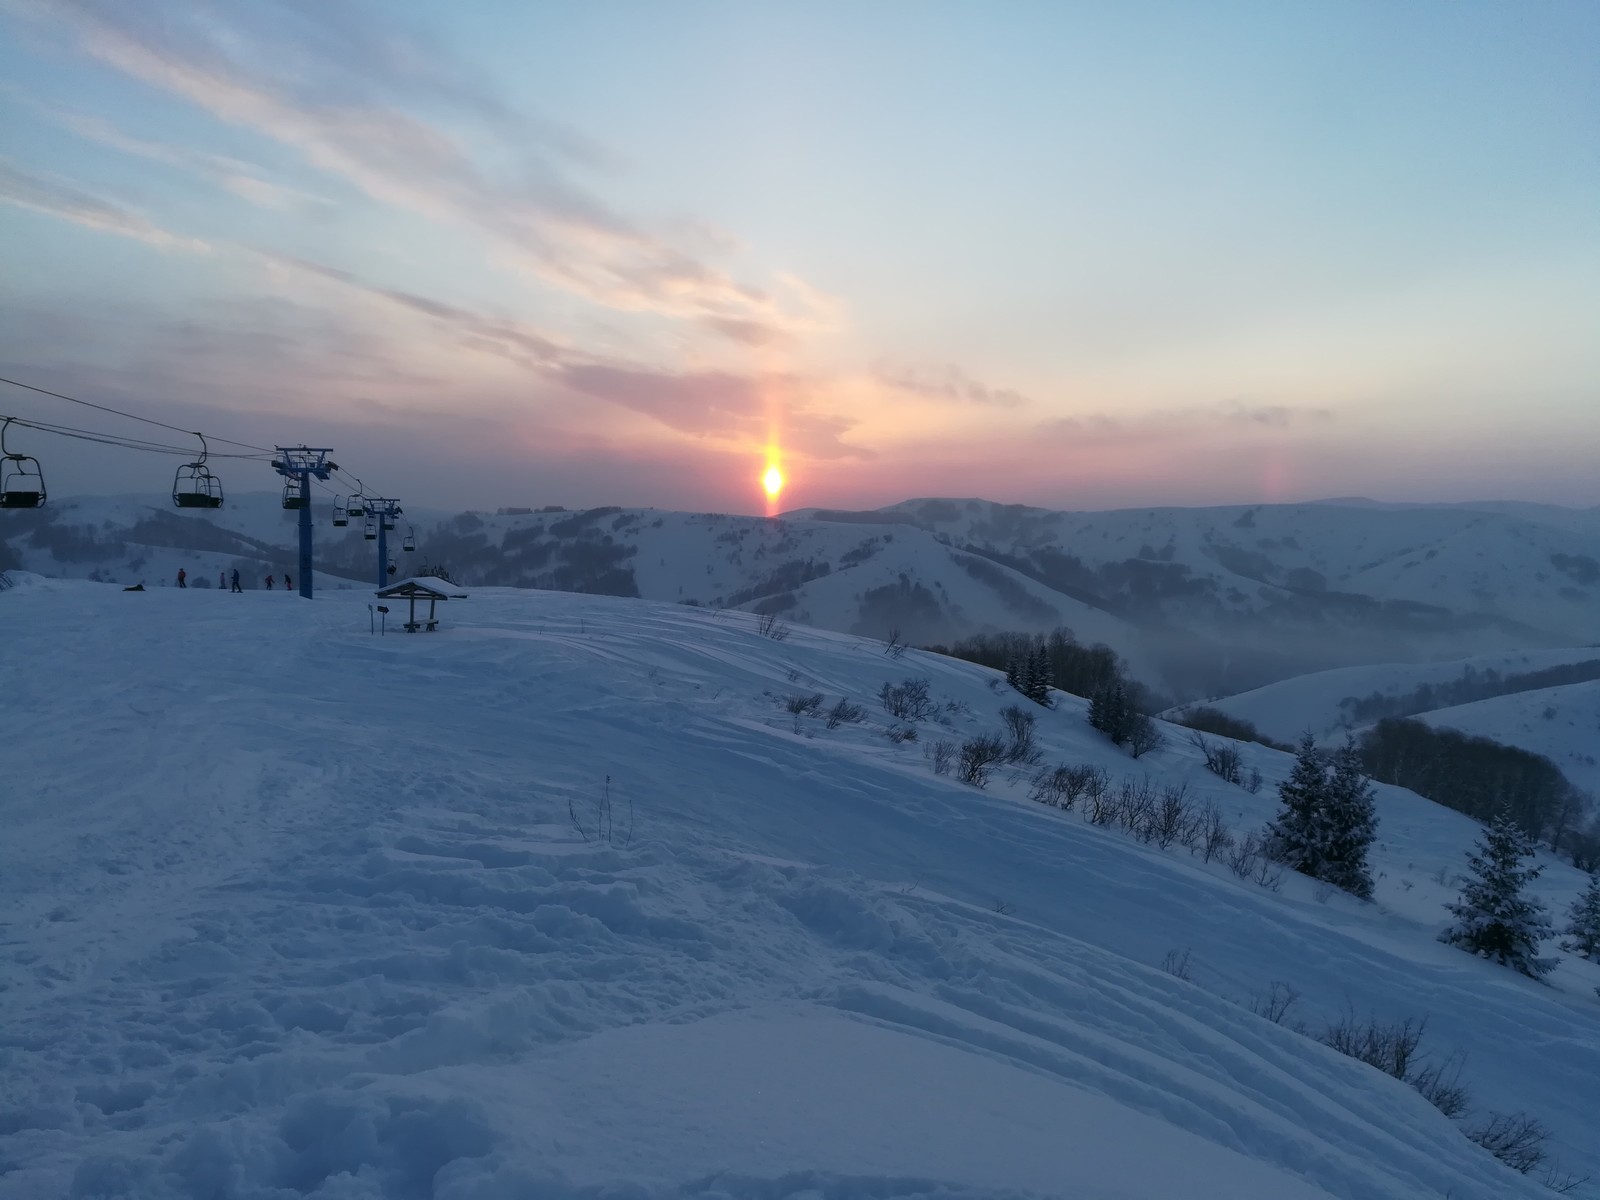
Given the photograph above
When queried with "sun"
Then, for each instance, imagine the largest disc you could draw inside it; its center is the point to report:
(773, 482)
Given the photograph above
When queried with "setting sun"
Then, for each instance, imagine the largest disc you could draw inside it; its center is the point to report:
(773, 482)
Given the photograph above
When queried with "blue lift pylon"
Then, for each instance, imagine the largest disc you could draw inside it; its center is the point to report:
(383, 513)
(298, 464)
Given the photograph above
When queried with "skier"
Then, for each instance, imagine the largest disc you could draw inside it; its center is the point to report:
(269, 583)
(222, 580)
(288, 583)
(183, 578)
(236, 586)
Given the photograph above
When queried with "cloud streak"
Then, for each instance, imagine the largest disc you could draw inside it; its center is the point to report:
(300, 92)
(57, 198)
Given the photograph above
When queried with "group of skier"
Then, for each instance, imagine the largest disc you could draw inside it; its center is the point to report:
(223, 581)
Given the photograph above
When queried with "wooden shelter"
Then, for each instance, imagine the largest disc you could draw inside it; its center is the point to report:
(430, 589)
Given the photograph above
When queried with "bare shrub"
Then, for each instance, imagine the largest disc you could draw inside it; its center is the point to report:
(1215, 835)
(1061, 787)
(1390, 1048)
(844, 712)
(768, 625)
(1019, 729)
(1100, 802)
(1177, 963)
(1246, 854)
(893, 646)
(942, 754)
(599, 824)
(907, 700)
(1134, 803)
(1143, 736)
(1441, 1086)
(978, 757)
(801, 705)
(1170, 820)
(1252, 781)
(901, 733)
(1274, 1004)
(1222, 758)
(1516, 1139)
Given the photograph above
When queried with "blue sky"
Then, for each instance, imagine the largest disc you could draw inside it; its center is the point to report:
(1071, 255)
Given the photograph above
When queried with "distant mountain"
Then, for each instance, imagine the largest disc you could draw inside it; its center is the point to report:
(1200, 601)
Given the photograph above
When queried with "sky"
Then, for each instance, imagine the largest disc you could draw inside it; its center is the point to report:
(1072, 255)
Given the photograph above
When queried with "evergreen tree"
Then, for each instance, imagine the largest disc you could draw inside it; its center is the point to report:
(1109, 710)
(1583, 924)
(1039, 684)
(1494, 919)
(1014, 672)
(1298, 836)
(1351, 825)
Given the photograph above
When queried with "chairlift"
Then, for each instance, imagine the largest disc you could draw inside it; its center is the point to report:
(21, 479)
(393, 569)
(291, 495)
(341, 514)
(409, 542)
(193, 484)
(371, 531)
(356, 506)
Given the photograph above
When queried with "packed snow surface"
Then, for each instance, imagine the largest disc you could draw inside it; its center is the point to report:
(559, 901)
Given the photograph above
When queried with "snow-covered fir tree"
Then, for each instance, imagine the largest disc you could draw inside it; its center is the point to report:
(1583, 923)
(1038, 679)
(1351, 825)
(1495, 917)
(1327, 821)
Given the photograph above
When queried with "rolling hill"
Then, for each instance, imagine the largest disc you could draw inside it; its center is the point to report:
(570, 900)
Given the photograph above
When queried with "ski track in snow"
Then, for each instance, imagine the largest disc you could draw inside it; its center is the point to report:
(295, 911)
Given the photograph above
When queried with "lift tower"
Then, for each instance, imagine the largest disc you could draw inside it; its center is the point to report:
(298, 464)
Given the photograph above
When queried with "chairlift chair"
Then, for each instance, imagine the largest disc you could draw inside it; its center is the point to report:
(387, 516)
(371, 531)
(193, 484)
(21, 478)
(291, 495)
(356, 506)
(409, 543)
(341, 514)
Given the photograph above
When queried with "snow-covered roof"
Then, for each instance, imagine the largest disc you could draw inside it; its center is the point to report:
(425, 587)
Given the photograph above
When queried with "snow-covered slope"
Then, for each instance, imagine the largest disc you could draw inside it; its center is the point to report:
(1561, 723)
(560, 901)
(1199, 601)
(1329, 702)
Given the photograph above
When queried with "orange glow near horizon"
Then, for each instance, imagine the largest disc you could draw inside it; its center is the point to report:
(772, 481)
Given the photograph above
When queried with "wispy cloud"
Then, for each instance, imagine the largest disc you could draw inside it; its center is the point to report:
(947, 383)
(721, 406)
(285, 71)
(1157, 424)
(58, 198)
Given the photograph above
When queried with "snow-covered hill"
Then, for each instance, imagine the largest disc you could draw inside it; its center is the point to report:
(562, 901)
(1561, 723)
(1199, 601)
(1330, 703)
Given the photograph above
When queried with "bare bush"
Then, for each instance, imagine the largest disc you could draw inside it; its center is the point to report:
(942, 754)
(768, 625)
(1516, 1139)
(1136, 800)
(901, 733)
(801, 705)
(1274, 1004)
(1019, 729)
(1215, 836)
(907, 700)
(978, 757)
(1170, 821)
(1100, 802)
(1246, 854)
(1061, 787)
(1222, 758)
(1143, 736)
(1177, 963)
(1252, 781)
(1390, 1048)
(1441, 1086)
(844, 712)
(599, 824)
(893, 646)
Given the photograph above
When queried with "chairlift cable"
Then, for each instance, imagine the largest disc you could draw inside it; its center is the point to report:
(119, 413)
